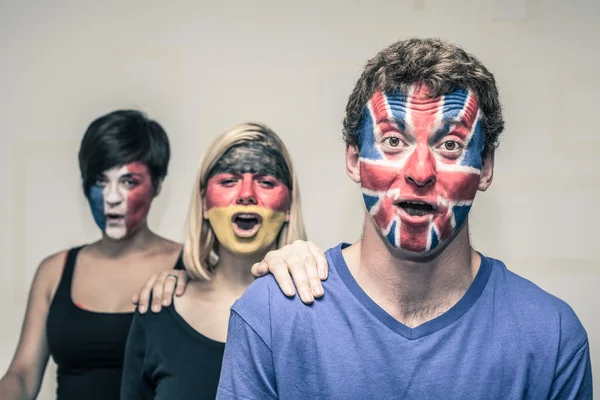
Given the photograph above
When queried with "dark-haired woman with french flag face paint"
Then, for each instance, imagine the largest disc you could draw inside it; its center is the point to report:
(80, 309)
(120, 200)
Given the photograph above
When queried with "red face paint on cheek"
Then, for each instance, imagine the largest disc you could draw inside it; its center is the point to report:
(276, 197)
(221, 191)
(139, 197)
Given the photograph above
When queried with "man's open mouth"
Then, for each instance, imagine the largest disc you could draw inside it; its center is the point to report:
(416, 208)
(246, 221)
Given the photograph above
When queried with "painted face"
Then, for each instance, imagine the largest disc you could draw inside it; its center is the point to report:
(248, 198)
(420, 163)
(120, 199)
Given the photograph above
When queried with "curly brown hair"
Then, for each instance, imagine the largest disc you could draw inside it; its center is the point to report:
(442, 66)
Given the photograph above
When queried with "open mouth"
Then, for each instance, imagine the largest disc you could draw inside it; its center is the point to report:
(246, 224)
(416, 208)
(114, 218)
(246, 221)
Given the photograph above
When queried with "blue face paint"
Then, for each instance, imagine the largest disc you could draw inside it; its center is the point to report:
(96, 199)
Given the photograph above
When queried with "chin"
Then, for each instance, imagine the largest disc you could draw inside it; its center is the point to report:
(419, 255)
(415, 255)
(248, 249)
(115, 237)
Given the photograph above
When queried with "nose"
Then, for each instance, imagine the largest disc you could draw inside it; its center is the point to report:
(247, 195)
(112, 195)
(420, 167)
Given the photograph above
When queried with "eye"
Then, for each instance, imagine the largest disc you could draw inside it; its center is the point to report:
(227, 182)
(100, 181)
(267, 183)
(450, 145)
(450, 148)
(130, 183)
(392, 141)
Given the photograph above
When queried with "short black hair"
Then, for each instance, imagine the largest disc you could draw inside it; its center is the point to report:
(119, 138)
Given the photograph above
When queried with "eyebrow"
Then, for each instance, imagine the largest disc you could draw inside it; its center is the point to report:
(131, 175)
(400, 123)
(454, 121)
(447, 125)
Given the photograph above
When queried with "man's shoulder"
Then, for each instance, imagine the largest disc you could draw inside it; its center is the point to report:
(535, 306)
(264, 296)
(258, 297)
(260, 307)
(523, 290)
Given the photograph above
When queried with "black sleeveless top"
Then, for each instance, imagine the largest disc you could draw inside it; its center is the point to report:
(88, 347)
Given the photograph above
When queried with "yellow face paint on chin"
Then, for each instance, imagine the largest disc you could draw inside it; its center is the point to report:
(246, 241)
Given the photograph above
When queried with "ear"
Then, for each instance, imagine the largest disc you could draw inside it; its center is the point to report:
(287, 216)
(487, 172)
(353, 162)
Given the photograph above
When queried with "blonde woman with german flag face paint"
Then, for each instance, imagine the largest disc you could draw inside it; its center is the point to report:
(248, 198)
(245, 202)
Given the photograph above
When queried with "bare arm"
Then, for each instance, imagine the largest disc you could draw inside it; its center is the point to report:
(23, 379)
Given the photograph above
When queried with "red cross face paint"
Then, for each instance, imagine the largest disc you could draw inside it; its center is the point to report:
(420, 164)
(120, 199)
(248, 198)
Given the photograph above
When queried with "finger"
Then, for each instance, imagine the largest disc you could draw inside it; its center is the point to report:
(321, 259)
(168, 289)
(260, 269)
(182, 283)
(135, 298)
(279, 269)
(308, 273)
(157, 291)
(297, 269)
(144, 295)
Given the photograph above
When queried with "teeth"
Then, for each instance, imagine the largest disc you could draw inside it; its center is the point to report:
(415, 202)
(246, 216)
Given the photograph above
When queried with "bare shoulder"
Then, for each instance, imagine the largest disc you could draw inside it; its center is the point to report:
(53, 264)
(168, 247)
(50, 271)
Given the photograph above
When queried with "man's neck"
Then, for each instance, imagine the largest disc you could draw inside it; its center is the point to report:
(413, 290)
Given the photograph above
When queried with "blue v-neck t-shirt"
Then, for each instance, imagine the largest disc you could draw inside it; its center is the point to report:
(505, 339)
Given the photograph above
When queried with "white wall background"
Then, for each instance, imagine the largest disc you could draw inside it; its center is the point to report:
(200, 67)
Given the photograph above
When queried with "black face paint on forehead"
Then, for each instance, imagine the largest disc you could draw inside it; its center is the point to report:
(253, 157)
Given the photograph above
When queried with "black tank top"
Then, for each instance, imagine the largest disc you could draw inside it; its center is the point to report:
(88, 347)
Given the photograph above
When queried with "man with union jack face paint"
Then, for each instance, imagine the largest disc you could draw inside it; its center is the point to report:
(411, 310)
(420, 164)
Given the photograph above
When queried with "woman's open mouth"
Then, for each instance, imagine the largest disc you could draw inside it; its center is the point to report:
(246, 224)
(114, 218)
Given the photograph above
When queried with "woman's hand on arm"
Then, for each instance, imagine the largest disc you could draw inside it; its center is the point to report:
(301, 263)
(160, 287)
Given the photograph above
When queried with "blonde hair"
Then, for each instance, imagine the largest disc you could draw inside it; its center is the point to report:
(200, 251)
